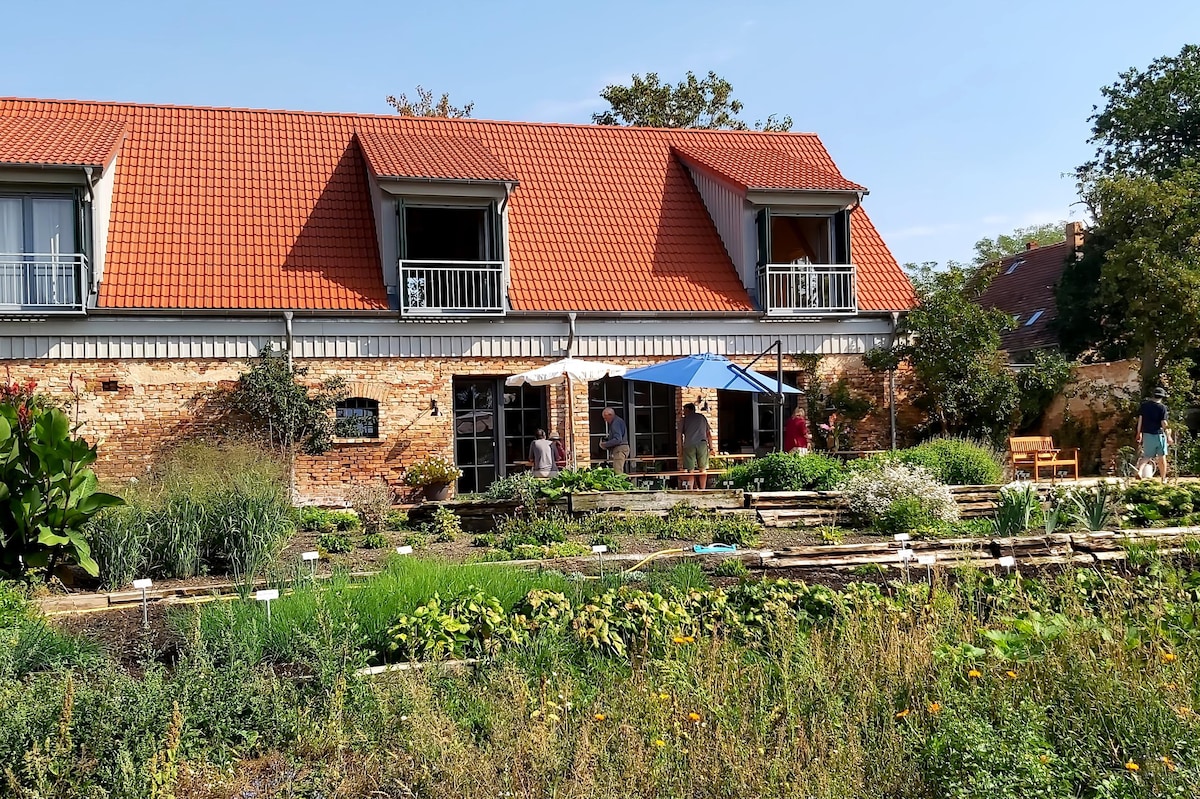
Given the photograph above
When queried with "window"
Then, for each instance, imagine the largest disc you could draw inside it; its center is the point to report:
(1036, 316)
(792, 238)
(491, 417)
(1013, 267)
(40, 257)
(451, 259)
(649, 411)
(357, 417)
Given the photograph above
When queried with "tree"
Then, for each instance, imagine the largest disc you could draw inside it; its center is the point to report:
(952, 345)
(692, 103)
(1151, 268)
(424, 106)
(1150, 122)
(988, 250)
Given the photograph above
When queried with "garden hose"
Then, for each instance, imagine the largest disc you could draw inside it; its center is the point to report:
(651, 557)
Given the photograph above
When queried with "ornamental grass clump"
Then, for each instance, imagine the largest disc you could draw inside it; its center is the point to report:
(898, 498)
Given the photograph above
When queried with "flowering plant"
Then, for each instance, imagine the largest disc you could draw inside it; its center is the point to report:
(877, 493)
(431, 471)
(835, 430)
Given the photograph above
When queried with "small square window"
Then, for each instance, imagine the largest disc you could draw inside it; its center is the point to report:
(1014, 265)
(1036, 316)
(110, 385)
(357, 417)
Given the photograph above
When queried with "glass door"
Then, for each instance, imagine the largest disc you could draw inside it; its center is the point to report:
(475, 433)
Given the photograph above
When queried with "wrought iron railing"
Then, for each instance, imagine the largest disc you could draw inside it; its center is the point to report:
(807, 289)
(451, 288)
(42, 282)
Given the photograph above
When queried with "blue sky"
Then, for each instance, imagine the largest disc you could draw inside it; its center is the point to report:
(961, 117)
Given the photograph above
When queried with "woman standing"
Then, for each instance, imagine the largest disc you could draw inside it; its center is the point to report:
(795, 432)
(541, 455)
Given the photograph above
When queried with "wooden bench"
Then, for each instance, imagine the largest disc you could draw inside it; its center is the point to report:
(1034, 453)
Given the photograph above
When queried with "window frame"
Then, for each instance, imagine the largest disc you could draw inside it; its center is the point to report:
(357, 404)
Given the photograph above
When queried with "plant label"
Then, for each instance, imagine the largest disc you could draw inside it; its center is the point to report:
(267, 595)
(1008, 561)
(905, 555)
(404, 550)
(310, 555)
(926, 560)
(143, 583)
(599, 548)
(902, 537)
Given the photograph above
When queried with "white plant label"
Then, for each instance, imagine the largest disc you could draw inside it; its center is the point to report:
(145, 582)
(310, 555)
(905, 554)
(404, 550)
(598, 548)
(267, 595)
(902, 537)
(926, 560)
(1008, 561)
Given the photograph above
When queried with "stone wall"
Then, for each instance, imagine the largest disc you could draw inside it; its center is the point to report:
(1095, 414)
(134, 409)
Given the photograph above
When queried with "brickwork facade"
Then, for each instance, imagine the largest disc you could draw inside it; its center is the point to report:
(134, 409)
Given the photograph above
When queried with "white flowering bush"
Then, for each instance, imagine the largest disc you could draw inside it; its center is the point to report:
(896, 497)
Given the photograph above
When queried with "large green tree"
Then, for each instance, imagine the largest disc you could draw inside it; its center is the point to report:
(424, 105)
(988, 250)
(692, 103)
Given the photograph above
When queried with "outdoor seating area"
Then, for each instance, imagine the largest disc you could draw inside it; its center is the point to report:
(1033, 454)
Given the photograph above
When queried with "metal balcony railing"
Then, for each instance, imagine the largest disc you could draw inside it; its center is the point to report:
(451, 288)
(42, 282)
(807, 289)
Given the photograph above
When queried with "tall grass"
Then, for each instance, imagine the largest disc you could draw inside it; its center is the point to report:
(206, 508)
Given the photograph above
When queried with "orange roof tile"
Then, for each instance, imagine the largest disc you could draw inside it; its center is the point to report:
(225, 208)
(52, 141)
(432, 157)
(765, 170)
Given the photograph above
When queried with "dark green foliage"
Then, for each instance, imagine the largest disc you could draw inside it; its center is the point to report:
(735, 530)
(693, 103)
(396, 520)
(607, 540)
(1149, 501)
(956, 461)
(906, 515)
(47, 491)
(1040, 384)
(781, 471)
(335, 543)
(569, 481)
(374, 541)
(284, 413)
(731, 567)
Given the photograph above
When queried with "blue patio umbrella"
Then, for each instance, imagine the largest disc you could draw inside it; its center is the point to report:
(709, 371)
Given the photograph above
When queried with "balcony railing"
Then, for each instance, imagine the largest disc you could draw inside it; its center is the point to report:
(807, 289)
(451, 288)
(42, 282)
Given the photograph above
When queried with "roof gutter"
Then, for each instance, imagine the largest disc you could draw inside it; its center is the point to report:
(237, 313)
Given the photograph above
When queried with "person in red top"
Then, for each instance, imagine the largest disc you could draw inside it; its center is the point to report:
(795, 432)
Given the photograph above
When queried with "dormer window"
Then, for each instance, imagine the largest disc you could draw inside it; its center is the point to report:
(804, 264)
(42, 263)
(450, 259)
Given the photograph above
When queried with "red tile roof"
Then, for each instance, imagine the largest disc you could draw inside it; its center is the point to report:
(765, 170)
(224, 208)
(1024, 284)
(432, 157)
(49, 141)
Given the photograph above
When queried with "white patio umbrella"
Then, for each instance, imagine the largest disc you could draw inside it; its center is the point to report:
(565, 371)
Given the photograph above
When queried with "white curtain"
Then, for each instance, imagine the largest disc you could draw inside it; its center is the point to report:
(12, 243)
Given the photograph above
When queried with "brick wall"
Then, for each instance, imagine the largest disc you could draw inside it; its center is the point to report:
(135, 408)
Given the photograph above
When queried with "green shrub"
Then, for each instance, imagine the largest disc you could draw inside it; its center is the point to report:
(1018, 509)
(905, 515)
(396, 520)
(344, 521)
(445, 527)
(731, 567)
(335, 543)
(417, 541)
(312, 519)
(569, 481)
(488, 540)
(957, 461)
(374, 541)
(540, 530)
(781, 471)
(1149, 501)
(737, 530)
(896, 497)
(606, 540)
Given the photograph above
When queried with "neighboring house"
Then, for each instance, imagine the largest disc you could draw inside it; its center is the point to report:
(1024, 287)
(147, 251)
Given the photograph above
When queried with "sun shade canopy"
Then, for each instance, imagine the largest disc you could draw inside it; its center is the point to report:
(709, 371)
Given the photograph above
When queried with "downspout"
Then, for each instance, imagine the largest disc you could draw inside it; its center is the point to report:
(571, 337)
(892, 380)
(292, 490)
(288, 340)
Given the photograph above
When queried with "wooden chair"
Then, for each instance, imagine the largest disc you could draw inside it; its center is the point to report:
(1034, 453)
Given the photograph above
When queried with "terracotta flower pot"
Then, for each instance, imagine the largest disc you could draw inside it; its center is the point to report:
(437, 492)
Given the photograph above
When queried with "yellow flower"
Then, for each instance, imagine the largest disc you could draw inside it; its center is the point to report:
(1183, 712)
(974, 674)
(664, 697)
(677, 639)
(1131, 766)
(1166, 761)
(600, 717)
(688, 639)
(1043, 759)
(659, 742)
(935, 708)
(685, 751)
(903, 713)
(694, 717)
(1012, 675)
(1168, 657)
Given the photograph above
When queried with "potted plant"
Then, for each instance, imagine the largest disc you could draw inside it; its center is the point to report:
(434, 475)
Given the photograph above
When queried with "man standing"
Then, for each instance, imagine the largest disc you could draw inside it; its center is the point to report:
(616, 443)
(696, 443)
(1152, 433)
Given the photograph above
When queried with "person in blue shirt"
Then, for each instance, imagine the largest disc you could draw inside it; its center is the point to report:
(1153, 434)
(616, 443)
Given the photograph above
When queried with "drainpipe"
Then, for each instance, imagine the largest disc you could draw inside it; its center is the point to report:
(571, 337)
(892, 380)
(287, 325)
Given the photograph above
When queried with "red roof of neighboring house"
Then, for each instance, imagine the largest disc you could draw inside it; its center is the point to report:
(765, 170)
(1024, 287)
(225, 208)
(432, 157)
(51, 141)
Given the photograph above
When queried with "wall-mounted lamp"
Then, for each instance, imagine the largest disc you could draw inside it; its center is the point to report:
(433, 408)
(701, 402)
